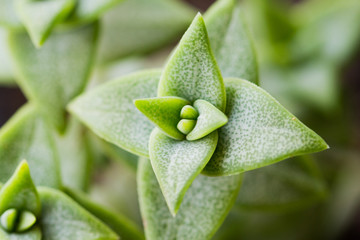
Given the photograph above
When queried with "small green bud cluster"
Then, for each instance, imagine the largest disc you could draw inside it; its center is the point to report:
(188, 117)
(13, 220)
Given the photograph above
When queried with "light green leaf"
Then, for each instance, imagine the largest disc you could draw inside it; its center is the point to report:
(204, 208)
(33, 234)
(19, 192)
(8, 16)
(164, 112)
(56, 73)
(285, 186)
(63, 219)
(117, 222)
(27, 136)
(141, 26)
(109, 110)
(192, 72)
(189, 112)
(209, 120)
(177, 163)
(40, 17)
(6, 68)
(259, 132)
(230, 41)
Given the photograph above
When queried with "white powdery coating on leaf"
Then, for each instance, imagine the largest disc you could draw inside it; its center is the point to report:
(192, 72)
(204, 207)
(259, 132)
(177, 163)
(110, 112)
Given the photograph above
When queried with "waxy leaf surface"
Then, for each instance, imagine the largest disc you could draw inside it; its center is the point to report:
(6, 68)
(164, 112)
(109, 110)
(33, 234)
(26, 136)
(230, 41)
(56, 73)
(40, 17)
(192, 72)
(177, 163)
(259, 132)
(8, 16)
(205, 206)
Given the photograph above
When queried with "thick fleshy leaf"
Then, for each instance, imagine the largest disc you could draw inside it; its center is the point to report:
(6, 68)
(230, 41)
(259, 132)
(209, 120)
(8, 16)
(33, 234)
(19, 192)
(204, 208)
(140, 26)
(192, 72)
(286, 185)
(164, 112)
(177, 163)
(63, 219)
(109, 110)
(117, 222)
(27, 136)
(40, 17)
(56, 73)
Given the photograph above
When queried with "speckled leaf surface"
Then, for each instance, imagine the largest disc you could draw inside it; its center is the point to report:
(63, 219)
(40, 17)
(230, 41)
(33, 234)
(206, 204)
(56, 73)
(8, 16)
(192, 72)
(164, 112)
(177, 163)
(19, 192)
(26, 136)
(109, 110)
(288, 185)
(259, 132)
(141, 26)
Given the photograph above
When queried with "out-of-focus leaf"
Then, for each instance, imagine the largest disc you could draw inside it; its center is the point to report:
(230, 41)
(33, 234)
(8, 16)
(204, 208)
(192, 72)
(140, 26)
(260, 132)
(126, 229)
(109, 110)
(286, 185)
(177, 163)
(56, 73)
(62, 219)
(6, 68)
(27, 136)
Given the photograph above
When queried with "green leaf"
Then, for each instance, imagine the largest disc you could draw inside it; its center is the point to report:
(56, 73)
(141, 26)
(40, 17)
(192, 72)
(259, 132)
(287, 185)
(189, 112)
(177, 163)
(117, 222)
(209, 120)
(6, 68)
(8, 16)
(164, 112)
(109, 110)
(26, 221)
(33, 234)
(27, 136)
(19, 192)
(63, 219)
(204, 208)
(230, 41)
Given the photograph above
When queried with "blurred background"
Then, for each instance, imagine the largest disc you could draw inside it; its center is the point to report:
(309, 60)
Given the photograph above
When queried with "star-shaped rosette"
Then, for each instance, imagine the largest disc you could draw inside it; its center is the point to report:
(189, 120)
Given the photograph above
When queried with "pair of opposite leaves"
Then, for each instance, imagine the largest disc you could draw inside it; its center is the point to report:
(259, 131)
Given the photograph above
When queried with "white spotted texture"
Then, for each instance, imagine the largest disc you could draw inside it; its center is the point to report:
(204, 208)
(26, 136)
(177, 163)
(110, 112)
(87, 10)
(192, 72)
(54, 74)
(230, 41)
(33, 234)
(259, 132)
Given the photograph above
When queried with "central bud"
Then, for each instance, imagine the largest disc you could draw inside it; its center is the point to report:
(188, 115)
(13, 220)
